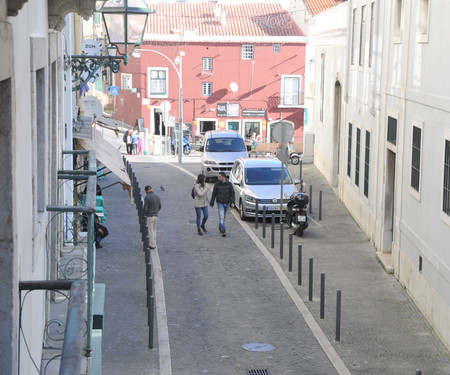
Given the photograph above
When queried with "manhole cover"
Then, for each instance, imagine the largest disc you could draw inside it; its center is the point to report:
(258, 347)
(258, 372)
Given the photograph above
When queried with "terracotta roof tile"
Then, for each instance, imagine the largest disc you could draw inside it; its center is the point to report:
(214, 20)
(318, 6)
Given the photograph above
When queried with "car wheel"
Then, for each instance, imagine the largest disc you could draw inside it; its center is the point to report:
(295, 160)
(241, 212)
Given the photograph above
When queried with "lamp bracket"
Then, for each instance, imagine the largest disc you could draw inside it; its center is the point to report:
(85, 67)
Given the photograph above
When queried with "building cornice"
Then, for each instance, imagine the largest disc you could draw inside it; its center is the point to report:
(183, 38)
(58, 9)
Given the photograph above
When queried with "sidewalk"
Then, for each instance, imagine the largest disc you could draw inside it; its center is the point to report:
(223, 293)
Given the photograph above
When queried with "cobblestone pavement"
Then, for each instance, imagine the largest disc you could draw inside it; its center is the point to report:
(222, 293)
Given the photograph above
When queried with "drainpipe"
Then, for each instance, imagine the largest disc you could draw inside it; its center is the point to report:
(349, 50)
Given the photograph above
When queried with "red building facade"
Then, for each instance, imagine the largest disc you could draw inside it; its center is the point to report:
(244, 74)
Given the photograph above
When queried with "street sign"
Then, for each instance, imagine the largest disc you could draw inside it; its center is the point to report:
(282, 131)
(114, 90)
(91, 47)
(92, 106)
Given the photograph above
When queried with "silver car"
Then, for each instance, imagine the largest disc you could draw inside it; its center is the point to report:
(259, 180)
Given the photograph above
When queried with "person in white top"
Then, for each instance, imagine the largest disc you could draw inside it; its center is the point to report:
(201, 203)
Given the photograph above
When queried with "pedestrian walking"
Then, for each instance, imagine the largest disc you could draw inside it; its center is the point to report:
(223, 193)
(127, 140)
(201, 203)
(152, 205)
(134, 142)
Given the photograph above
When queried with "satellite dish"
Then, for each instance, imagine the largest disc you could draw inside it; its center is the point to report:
(234, 86)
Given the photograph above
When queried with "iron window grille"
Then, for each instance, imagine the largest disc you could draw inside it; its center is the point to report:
(206, 88)
(248, 51)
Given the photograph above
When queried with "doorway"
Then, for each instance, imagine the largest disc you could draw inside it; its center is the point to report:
(389, 202)
(206, 125)
(336, 137)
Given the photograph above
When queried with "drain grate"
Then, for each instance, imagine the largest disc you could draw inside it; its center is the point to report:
(258, 372)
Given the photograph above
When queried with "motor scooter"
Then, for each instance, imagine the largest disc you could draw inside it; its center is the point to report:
(294, 157)
(297, 216)
(186, 147)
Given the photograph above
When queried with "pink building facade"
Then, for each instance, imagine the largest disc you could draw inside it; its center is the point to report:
(235, 82)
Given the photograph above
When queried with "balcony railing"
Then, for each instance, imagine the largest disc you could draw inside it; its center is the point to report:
(70, 282)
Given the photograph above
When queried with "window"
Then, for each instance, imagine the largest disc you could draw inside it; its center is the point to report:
(322, 85)
(446, 195)
(366, 165)
(422, 20)
(126, 81)
(206, 88)
(247, 52)
(358, 152)
(353, 36)
(398, 20)
(392, 130)
(291, 90)
(349, 152)
(158, 84)
(277, 48)
(362, 36)
(415, 159)
(207, 64)
(372, 29)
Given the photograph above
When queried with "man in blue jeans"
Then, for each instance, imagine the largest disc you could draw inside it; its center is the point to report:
(223, 194)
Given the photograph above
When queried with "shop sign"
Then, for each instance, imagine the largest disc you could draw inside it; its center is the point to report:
(228, 110)
(253, 113)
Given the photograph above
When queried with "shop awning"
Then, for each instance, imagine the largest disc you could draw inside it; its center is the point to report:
(106, 154)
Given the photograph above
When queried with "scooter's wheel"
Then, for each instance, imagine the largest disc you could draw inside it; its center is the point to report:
(295, 160)
(299, 231)
(186, 151)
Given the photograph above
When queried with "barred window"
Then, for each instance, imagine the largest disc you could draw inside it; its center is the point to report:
(206, 88)
(349, 150)
(207, 64)
(248, 51)
(446, 194)
(358, 151)
(415, 159)
(367, 165)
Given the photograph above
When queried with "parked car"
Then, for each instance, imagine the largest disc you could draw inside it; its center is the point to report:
(220, 149)
(259, 180)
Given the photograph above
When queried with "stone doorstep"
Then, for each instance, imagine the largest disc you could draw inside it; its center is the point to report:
(385, 260)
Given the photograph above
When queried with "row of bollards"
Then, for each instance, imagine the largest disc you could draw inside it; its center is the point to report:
(150, 300)
(299, 264)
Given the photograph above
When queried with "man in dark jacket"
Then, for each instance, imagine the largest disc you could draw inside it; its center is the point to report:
(152, 205)
(223, 193)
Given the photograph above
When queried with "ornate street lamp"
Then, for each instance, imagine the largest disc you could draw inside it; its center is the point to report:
(125, 22)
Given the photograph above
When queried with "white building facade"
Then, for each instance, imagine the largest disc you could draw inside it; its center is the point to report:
(35, 127)
(383, 139)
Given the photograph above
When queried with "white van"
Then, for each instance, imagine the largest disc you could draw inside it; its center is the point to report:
(220, 149)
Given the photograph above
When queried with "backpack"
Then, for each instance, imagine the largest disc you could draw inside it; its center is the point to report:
(193, 194)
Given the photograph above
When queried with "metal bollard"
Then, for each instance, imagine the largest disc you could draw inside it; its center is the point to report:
(310, 199)
(149, 285)
(147, 255)
(290, 251)
(148, 272)
(338, 316)
(320, 205)
(322, 295)
(273, 231)
(151, 305)
(299, 282)
(281, 240)
(310, 294)
(264, 222)
(418, 372)
(301, 169)
(256, 215)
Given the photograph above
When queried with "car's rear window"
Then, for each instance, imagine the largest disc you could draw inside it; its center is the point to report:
(267, 176)
(225, 145)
